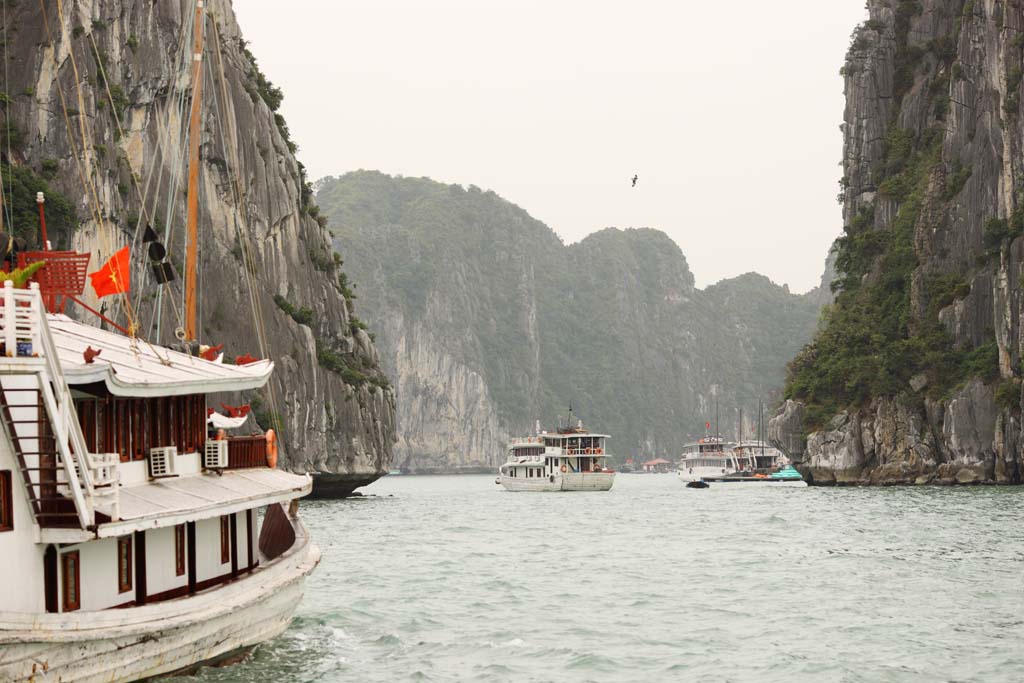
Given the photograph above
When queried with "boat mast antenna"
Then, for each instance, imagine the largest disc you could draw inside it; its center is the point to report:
(760, 425)
(191, 255)
(718, 432)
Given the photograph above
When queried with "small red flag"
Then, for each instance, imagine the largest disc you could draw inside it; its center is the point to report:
(211, 353)
(114, 277)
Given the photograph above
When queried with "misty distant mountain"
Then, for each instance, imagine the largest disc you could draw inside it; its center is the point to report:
(487, 321)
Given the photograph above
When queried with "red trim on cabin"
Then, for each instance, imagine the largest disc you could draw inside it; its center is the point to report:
(131, 427)
(182, 591)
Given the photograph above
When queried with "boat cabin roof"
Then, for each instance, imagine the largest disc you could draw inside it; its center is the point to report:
(136, 368)
(755, 444)
(172, 501)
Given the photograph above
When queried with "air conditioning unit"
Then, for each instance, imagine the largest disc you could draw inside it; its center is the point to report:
(215, 457)
(161, 461)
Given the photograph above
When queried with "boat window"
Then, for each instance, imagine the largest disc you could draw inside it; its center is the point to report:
(225, 543)
(179, 550)
(71, 574)
(124, 564)
(6, 502)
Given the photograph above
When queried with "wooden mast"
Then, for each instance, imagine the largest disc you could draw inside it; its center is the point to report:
(191, 265)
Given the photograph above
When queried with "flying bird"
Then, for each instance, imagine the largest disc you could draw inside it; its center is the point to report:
(635, 178)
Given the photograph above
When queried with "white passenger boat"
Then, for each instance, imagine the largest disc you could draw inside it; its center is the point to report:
(129, 537)
(710, 457)
(569, 459)
(713, 460)
(759, 457)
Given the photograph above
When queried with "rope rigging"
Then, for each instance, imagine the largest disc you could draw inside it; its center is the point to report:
(160, 175)
(238, 195)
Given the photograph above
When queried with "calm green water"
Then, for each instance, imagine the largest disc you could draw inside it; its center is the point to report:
(453, 579)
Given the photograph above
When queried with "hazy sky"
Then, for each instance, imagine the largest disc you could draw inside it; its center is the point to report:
(728, 111)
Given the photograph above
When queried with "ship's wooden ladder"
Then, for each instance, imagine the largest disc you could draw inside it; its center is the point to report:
(30, 434)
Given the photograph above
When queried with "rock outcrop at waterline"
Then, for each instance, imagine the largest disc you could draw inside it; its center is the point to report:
(118, 59)
(916, 375)
(487, 321)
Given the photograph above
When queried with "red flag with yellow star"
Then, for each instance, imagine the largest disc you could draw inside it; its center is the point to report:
(114, 277)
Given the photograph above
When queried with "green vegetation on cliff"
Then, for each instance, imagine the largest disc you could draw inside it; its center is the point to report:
(883, 329)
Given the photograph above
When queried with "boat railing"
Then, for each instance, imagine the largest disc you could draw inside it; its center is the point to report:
(25, 336)
(247, 452)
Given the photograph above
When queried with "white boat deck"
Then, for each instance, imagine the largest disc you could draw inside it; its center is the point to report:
(194, 497)
(175, 500)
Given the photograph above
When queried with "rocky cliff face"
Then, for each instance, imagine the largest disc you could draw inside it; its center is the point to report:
(487, 322)
(97, 95)
(916, 376)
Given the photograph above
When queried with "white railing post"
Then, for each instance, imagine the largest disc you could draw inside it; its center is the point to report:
(35, 322)
(10, 321)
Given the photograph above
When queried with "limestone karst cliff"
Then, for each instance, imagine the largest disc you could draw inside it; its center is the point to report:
(96, 94)
(488, 322)
(916, 375)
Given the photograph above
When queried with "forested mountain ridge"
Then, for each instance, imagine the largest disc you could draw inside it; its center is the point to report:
(915, 377)
(487, 322)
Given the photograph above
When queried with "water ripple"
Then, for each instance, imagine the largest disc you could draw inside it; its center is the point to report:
(452, 579)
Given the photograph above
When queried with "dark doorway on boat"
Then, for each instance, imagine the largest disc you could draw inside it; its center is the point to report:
(50, 578)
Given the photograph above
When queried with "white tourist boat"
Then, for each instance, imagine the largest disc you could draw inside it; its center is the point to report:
(710, 457)
(759, 456)
(130, 538)
(753, 461)
(569, 459)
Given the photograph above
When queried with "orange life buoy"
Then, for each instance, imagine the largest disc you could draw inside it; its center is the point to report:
(563, 469)
(600, 451)
(271, 449)
(588, 451)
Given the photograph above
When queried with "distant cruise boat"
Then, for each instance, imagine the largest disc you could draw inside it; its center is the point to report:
(569, 459)
(710, 457)
(714, 460)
